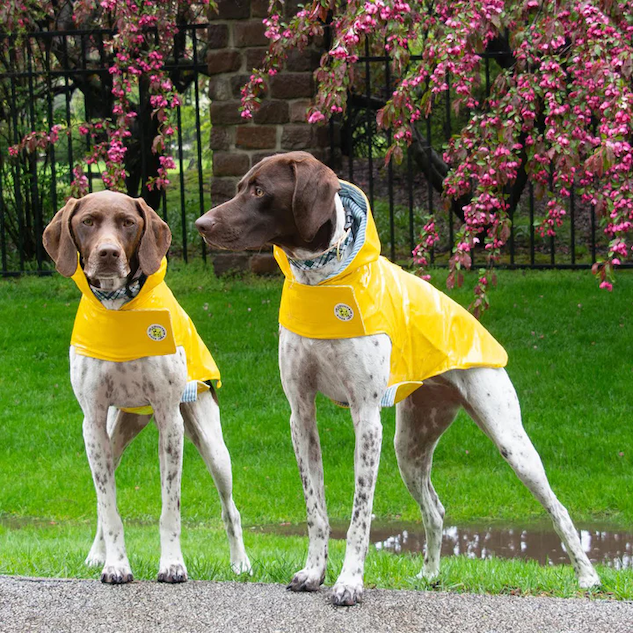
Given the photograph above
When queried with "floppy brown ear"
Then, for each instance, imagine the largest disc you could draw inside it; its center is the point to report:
(313, 198)
(155, 240)
(58, 240)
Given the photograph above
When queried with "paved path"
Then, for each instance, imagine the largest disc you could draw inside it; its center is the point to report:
(69, 606)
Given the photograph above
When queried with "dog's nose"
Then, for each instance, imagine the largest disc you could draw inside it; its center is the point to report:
(109, 252)
(205, 224)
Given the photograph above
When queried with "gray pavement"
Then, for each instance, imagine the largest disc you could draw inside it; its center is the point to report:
(69, 606)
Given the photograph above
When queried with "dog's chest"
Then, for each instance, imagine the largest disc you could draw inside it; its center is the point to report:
(344, 370)
(154, 380)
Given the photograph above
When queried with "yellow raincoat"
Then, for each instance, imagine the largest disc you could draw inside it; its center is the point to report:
(429, 332)
(151, 324)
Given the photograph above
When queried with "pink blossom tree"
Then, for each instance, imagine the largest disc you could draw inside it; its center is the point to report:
(559, 113)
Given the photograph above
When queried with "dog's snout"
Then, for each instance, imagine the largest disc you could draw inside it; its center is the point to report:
(205, 224)
(109, 252)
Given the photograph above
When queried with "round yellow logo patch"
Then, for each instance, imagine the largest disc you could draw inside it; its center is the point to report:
(156, 332)
(343, 312)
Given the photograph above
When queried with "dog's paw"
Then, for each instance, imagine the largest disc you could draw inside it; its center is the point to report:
(242, 566)
(307, 580)
(95, 558)
(589, 581)
(428, 574)
(347, 594)
(116, 574)
(173, 573)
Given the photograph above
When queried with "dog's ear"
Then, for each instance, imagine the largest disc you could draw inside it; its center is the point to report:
(313, 197)
(58, 240)
(155, 240)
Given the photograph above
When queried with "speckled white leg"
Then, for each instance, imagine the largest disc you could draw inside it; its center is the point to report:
(348, 589)
(492, 402)
(170, 446)
(420, 421)
(305, 440)
(116, 567)
(122, 427)
(202, 426)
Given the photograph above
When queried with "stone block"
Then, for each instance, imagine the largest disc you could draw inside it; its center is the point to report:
(226, 263)
(249, 33)
(297, 137)
(256, 137)
(237, 83)
(264, 264)
(220, 88)
(254, 57)
(226, 113)
(230, 164)
(303, 61)
(222, 137)
(223, 189)
(298, 110)
(259, 8)
(272, 111)
(233, 9)
(224, 61)
(218, 36)
(258, 156)
(291, 85)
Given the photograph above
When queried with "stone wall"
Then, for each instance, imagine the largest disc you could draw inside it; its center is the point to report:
(237, 42)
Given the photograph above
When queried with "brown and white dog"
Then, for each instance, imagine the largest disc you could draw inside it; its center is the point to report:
(291, 200)
(119, 237)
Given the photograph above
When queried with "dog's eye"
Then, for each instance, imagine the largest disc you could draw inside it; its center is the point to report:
(88, 221)
(128, 223)
(259, 192)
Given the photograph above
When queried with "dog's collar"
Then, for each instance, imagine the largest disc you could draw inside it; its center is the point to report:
(128, 292)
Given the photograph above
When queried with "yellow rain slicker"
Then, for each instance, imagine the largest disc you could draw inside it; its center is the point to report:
(429, 332)
(151, 324)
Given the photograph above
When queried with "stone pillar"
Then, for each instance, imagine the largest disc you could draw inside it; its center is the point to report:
(237, 42)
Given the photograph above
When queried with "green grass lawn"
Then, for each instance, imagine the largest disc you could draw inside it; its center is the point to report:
(570, 360)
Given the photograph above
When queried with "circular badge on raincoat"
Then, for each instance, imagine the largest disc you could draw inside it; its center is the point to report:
(156, 332)
(343, 312)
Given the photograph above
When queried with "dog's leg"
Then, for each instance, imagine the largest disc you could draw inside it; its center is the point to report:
(492, 402)
(116, 569)
(307, 447)
(420, 421)
(122, 427)
(202, 426)
(170, 446)
(348, 589)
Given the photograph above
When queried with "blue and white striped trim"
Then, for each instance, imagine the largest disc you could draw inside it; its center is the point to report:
(355, 204)
(190, 394)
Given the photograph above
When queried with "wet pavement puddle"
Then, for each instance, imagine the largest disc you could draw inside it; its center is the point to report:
(534, 542)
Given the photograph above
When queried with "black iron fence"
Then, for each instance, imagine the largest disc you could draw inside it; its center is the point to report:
(403, 196)
(62, 78)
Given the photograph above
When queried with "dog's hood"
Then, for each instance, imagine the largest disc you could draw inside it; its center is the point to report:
(151, 324)
(430, 333)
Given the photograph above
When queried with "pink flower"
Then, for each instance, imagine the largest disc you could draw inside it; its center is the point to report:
(316, 117)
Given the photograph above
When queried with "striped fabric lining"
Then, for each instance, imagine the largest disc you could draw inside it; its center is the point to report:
(190, 394)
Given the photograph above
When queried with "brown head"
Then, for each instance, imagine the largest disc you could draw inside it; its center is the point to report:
(287, 200)
(114, 234)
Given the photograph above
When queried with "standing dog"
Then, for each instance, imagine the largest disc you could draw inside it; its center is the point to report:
(327, 246)
(132, 351)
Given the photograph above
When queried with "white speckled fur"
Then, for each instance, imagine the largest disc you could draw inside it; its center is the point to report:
(101, 387)
(356, 371)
